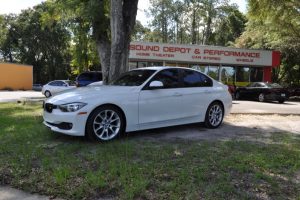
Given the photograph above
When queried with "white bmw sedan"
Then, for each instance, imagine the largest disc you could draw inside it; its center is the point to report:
(140, 99)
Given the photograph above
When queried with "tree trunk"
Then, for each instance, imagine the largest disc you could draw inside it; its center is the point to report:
(103, 48)
(194, 27)
(113, 46)
(123, 14)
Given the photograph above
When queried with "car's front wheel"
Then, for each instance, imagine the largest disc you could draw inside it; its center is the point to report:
(214, 115)
(105, 123)
(48, 94)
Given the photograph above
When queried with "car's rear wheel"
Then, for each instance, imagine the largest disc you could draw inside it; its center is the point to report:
(48, 93)
(105, 123)
(214, 115)
(261, 97)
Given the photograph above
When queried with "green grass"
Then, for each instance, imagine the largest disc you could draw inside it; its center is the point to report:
(35, 159)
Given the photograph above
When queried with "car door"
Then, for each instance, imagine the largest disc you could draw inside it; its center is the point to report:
(260, 88)
(248, 91)
(60, 86)
(52, 87)
(197, 94)
(163, 104)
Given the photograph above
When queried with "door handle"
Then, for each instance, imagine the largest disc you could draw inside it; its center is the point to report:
(177, 94)
(207, 91)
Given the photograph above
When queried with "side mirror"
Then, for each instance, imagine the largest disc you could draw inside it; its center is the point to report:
(156, 85)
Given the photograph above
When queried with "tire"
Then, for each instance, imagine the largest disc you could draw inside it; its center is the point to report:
(214, 115)
(105, 123)
(48, 93)
(237, 95)
(281, 101)
(261, 97)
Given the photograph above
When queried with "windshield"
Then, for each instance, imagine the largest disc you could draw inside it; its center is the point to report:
(133, 78)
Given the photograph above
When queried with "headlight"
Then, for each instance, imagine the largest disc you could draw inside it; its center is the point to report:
(71, 107)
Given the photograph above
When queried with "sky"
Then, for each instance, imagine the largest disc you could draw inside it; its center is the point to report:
(15, 6)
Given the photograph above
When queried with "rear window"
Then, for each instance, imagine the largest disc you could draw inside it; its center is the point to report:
(195, 79)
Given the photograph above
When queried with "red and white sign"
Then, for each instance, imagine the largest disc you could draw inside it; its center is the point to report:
(200, 54)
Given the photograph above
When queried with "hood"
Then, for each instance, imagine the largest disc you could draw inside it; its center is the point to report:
(90, 92)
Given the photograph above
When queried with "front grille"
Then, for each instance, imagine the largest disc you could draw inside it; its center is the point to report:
(49, 107)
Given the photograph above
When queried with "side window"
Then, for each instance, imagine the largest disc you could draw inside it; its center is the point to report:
(60, 83)
(86, 76)
(206, 82)
(195, 79)
(169, 77)
(54, 83)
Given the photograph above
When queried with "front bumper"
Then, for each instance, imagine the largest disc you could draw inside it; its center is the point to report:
(54, 120)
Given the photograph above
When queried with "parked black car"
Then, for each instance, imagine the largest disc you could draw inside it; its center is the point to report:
(87, 78)
(262, 91)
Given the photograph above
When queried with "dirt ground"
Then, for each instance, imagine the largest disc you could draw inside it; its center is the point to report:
(235, 126)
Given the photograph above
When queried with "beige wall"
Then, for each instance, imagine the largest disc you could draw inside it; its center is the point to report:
(15, 76)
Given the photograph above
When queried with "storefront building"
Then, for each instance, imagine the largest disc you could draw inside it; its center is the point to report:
(232, 66)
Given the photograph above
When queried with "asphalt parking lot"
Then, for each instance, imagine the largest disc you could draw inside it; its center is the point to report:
(254, 107)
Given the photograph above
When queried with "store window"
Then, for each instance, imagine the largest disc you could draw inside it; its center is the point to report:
(132, 65)
(170, 64)
(256, 74)
(243, 74)
(142, 64)
(201, 68)
(151, 64)
(213, 71)
(182, 65)
(228, 75)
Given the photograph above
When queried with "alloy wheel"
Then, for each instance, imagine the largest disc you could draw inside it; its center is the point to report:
(215, 115)
(107, 124)
(47, 94)
(261, 97)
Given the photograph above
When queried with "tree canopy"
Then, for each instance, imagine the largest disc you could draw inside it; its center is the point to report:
(275, 25)
(63, 38)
